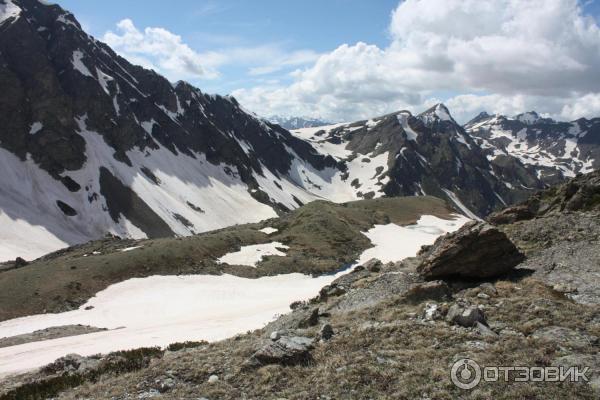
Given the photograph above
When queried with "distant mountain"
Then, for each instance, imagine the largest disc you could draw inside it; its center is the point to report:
(549, 149)
(404, 155)
(92, 145)
(297, 122)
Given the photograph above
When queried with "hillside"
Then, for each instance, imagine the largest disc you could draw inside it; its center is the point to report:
(92, 145)
(552, 150)
(394, 330)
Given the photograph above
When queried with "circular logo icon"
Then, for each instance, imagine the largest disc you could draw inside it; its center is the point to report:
(465, 374)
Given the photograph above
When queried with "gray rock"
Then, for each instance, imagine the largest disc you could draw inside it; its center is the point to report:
(286, 351)
(166, 385)
(484, 330)
(435, 290)
(213, 379)
(432, 312)
(467, 316)
(477, 250)
(275, 335)
(72, 363)
(488, 288)
(326, 332)
(373, 265)
(300, 318)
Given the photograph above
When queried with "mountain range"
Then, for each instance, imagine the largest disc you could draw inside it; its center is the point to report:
(297, 122)
(93, 145)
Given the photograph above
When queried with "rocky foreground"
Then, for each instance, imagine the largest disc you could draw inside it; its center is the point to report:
(522, 289)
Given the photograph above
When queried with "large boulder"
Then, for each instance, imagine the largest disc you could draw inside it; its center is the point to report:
(476, 251)
(467, 316)
(288, 350)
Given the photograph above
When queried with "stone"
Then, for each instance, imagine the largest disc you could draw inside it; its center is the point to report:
(488, 288)
(326, 332)
(300, 318)
(373, 265)
(432, 312)
(275, 335)
(72, 363)
(564, 288)
(478, 250)
(485, 330)
(511, 215)
(166, 385)
(467, 316)
(20, 262)
(434, 290)
(288, 350)
(213, 379)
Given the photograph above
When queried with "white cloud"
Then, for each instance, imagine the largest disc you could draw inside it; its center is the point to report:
(166, 52)
(503, 55)
(587, 106)
(161, 50)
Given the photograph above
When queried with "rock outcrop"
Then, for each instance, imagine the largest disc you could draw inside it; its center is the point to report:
(287, 350)
(476, 251)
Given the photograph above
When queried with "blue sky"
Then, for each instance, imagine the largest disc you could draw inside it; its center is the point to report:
(206, 25)
(344, 60)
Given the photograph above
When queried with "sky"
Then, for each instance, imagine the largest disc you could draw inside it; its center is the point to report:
(344, 60)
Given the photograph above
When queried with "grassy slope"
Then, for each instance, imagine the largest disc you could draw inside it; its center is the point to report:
(322, 237)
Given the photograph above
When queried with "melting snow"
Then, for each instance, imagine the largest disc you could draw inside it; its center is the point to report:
(160, 310)
(253, 254)
(79, 65)
(36, 127)
(460, 205)
(268, 230)
(410, 133)
(9, 10)
(127, 249)
(442, 113)
(394, 242)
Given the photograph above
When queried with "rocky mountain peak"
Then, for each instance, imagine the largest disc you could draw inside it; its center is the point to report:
(436, 114)
(532, 117)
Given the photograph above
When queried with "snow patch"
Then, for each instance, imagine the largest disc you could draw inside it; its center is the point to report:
(9, 10)
(460, 205)
(78, 64)
(268, 230)
(128, 249)
(35, 128)
(253, 254)
(394, 242)
(208, 307)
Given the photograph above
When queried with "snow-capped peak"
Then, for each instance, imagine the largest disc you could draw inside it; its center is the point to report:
(528, 118)
(9, 10)
(442, 112)
(437, 113)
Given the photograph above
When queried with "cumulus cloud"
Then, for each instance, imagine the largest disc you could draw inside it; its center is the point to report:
(161, 50)
(166, 52)
(501, 55)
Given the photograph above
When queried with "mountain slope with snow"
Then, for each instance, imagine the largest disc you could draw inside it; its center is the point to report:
(92, 144)
(297, 122)
(429, 154)
(552, 150)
